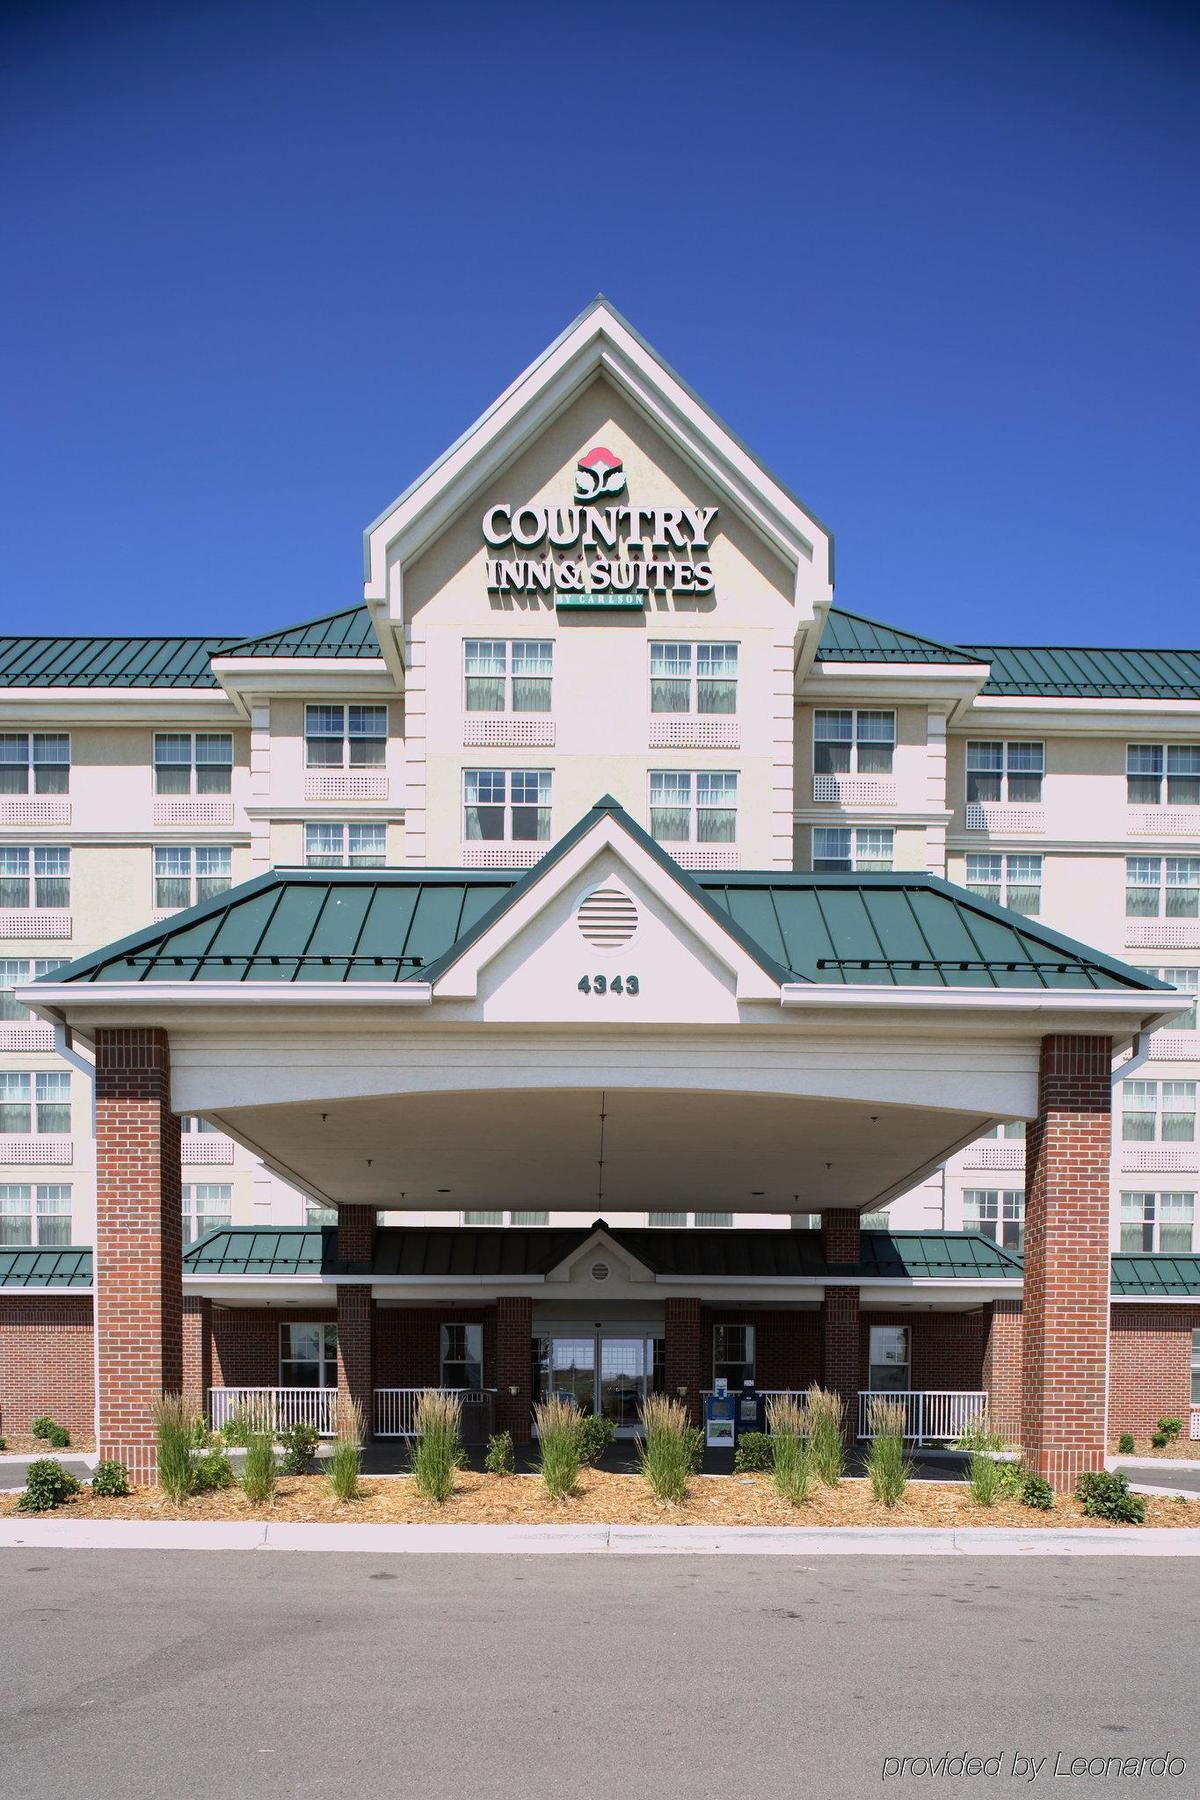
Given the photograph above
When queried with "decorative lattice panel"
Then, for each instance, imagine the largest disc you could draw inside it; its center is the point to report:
(346, 784)
(501, 856)
(513, 732)
(31, 922)
(1162, 934)
(694, 734)
(58, 1150)
(193, 812)
(36, 811)
(992, 815)
(855, 790)
(35, 1036)
(1164, 821)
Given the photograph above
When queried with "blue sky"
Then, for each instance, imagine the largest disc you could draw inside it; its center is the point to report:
(937, 263)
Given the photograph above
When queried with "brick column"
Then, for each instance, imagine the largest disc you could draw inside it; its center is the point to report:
(688, 1359)
(841, 1237)
(1064, 1377)
(139, 1243)
(197, 1351)
(840, 1351)
(356, 1311)
(1002, 1368)
(514, 1366)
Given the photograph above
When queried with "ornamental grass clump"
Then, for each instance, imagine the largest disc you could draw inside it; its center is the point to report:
(825, 1416)
(667, 1449)
(437, 1447)
(986, 1479)
(887, 1466)
(343, 1465)
(560, 1450)
(792, 1454)
(175, 1436)
(259, 1473)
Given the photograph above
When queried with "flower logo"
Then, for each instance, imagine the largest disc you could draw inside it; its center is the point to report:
(597, 473)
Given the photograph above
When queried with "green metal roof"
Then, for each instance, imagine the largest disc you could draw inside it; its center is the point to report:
(84, 662)
(349, 633)
(248, 1250)
(851, 637)
(1091, 674)
(69, 1267)
(339, 925)
(1156, 1275)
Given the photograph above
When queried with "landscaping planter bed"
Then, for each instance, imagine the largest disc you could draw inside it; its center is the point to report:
(605, 1499)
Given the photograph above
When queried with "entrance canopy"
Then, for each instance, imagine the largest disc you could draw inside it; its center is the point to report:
(605, 1031)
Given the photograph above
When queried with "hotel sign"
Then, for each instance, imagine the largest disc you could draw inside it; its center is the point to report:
(590, 553)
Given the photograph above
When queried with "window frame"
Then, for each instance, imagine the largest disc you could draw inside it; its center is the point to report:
(883, 1361)
(192, 1212)
(192, 877)
(44, 1089)
(724, 1363)
(346, 857)
(472, 1331)
(1158, 1112)
(856, 741)
(693, 677)
(39, 1236)
(509, 678)
(40, 771)
(32, 876)
(1149, 1226)
(694, 808)
(508, 806)
(1163, 887)
(1006, 774)
(325, 1361)
(11, 1011)
(1181, 1022)
(344, 736)
(1008, 1218)
(858, 863)
(1163, 776)
(160, 764)
(1007, 884)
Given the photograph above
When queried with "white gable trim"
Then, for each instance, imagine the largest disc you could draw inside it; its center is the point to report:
(599, 1243)
(600, 340)
(461, 980)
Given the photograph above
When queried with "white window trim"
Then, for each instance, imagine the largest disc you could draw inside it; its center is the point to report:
(856, 712)
(31, 902)
(34, 1128)
(856, 859)
(1158, 1111)
(1157, 1195)
(1005, 1199)
(344, 828)
(1007, 882)
(31, 788)
(693, 840)
(1163, 777)
(692, 710)
(323, 1361)
(1161, 885)
(165, 906)
(35, 1192)
(192, 790)
(1005, 773)
(508, 710)
(880, 1362)
(508, 773)
(343, 706)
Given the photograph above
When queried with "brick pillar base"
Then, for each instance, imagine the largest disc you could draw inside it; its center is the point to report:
(139, 1248)
(687, 1366)
(197, 1352)
(514, 1366)
(1002, 1368)
(1065, 1360)
(355, 1351)
(839, 1351)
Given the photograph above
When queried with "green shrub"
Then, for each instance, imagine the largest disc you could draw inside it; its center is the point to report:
(111, 1479)
(202, 1437)
(596, 1433)
(559, 1457)
(1036, 1492)
(500, 1459)
(259, 1473)
(437, 1448)
(211, 1471)
(1170, 1428)
(3, 1443)
(1159, 1440)
(299, 1447)
(985, 1479)
(1009, 1476)
(753, 1452)
(47, 1485)
(887, 1465)
(47, 1431)
(667, 1447)
(825, 1417)
(1106, 1496)
(790, 1449)
(238, 1429)
(174, 1432)
(1125, 1443)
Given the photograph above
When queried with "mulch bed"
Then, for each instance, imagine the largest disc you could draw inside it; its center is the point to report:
(605, 1499)
(1182, 1450)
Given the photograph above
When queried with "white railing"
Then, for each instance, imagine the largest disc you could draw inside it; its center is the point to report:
(930, 1414)
(396, 1408)
(276, 1407)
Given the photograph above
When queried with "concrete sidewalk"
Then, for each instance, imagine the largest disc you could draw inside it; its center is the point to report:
(44, 1533)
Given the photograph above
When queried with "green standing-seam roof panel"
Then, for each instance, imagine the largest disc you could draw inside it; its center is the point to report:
(85, 662)
(1158, 1275)
(1075, 672)
(348, 633)
(67, 1267)
(852, 637)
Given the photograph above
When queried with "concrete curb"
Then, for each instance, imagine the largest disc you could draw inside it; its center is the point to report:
(590, 1540)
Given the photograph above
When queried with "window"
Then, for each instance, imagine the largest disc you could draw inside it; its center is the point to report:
(39, 877)
(1158, 886)
(38, 1214)
(529, 1218)
(483, 1217)
(207, 1206)
(462, 1356)
(193, 762)
(853, 743)
(345, 737)
(889, 1359)
(693, 678)
(1186, 980)
(35, 1104)
(34, 762)
(998, 1215)
(192, 1125)
(1160, 1222)
(1013, 1128)
(14, 973)
(1148, 766)
(501, 676)
(506, 805)
(1014, 881)
(1161, 1112)
(328, 846)
(497, 1217)
(999, 771)
(667, 1221)
(713, 1221)
(733, 1354)
(693, 807)
(308, 1356)
(860, 848)
(316, 1214)
(184, 877)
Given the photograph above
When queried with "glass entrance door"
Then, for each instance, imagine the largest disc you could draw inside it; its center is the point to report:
(626, 1374)
(604, 1374)
(572, 1370)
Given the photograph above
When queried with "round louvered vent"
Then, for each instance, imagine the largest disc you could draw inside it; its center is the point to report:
(599, 1271)
(607, 918)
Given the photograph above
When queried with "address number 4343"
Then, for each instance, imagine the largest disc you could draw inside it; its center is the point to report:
(609, 984)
